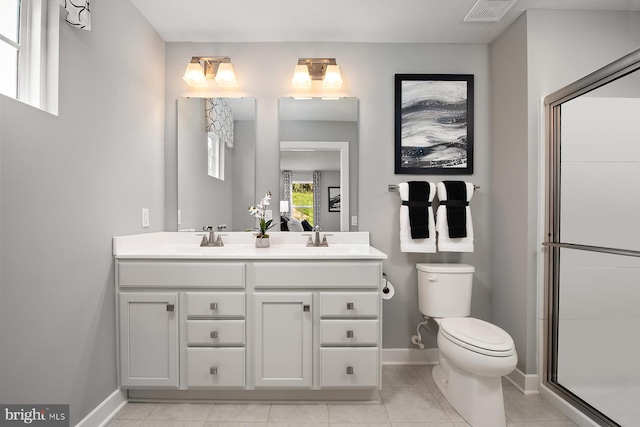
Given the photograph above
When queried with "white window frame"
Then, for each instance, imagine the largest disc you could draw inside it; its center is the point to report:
(293, 206)
(215, 156)
(38, 54)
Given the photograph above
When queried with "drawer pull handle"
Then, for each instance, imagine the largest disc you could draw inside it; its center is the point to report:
(349, 370)
(349, 334)
(213, 371)
(170, 307)
(306, 307)
(213, 306)
(349, 306)
(214, 334)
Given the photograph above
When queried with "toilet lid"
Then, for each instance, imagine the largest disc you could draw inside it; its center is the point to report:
(477, 335)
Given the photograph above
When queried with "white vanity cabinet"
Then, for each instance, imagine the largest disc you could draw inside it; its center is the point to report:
(305, 326)
(282, 337)
(148, 339)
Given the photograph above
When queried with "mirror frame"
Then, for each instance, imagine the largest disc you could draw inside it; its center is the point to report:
(343, 148)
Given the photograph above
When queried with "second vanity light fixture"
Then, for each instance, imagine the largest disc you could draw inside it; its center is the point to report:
(325, 69)
(215, 67)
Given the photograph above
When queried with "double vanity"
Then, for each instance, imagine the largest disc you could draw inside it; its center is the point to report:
(288, 322)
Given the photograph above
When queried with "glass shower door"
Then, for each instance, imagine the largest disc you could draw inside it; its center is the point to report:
(594, 250)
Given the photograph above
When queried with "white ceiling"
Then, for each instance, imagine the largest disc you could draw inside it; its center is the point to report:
(397, 21)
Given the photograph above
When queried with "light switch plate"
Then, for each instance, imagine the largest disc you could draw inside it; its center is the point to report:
(268, 214)
(179, 217)
(354, 220)
(145, 218)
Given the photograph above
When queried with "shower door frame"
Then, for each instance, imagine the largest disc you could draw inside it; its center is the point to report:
(553, 244)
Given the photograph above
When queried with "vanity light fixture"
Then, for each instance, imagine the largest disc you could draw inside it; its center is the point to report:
(325, 69)
(216, 67)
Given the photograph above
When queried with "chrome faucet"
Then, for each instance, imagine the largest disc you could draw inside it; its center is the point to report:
(317, 242)
(212, 241)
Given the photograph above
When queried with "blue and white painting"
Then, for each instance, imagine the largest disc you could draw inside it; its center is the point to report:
(434, 126)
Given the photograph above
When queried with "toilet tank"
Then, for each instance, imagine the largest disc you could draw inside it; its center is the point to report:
(444, 290)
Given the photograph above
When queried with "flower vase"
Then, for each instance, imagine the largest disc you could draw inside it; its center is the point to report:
(262, 242)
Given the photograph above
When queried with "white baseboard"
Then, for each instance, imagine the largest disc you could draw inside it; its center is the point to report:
(526, 383)
(105, 410)
(409, 356)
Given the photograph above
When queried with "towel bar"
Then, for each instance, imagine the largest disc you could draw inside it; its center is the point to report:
(394, 187)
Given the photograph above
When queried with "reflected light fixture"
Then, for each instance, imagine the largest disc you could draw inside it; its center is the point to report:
(325, 69)
(202, 68)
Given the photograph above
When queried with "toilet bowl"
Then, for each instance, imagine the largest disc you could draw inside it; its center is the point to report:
(473, 354)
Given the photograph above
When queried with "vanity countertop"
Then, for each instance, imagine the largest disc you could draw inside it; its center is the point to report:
(241, 245)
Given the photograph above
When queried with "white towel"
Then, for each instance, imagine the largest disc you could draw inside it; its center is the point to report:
(407, 244)
(445, 243)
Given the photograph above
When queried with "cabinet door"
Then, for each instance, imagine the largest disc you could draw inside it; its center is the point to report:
(148, 339)
(282, 335)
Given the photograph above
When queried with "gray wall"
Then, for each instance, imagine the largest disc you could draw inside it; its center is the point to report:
(264, 70)
(560, 48)
(70, 183)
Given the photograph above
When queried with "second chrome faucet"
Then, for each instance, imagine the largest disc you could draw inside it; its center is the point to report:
(212, 241)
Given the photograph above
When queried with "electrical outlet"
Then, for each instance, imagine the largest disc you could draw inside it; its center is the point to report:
(179, 217)
(354, 220)
(145, 218)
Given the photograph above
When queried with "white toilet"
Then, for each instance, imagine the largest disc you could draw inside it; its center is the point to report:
(474, 354)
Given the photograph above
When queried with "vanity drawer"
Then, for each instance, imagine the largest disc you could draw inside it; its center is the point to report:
(349, 304)
(349, 332)
(193, 274)
(348, 367)
(215, 304)
(325, 274)
(215, 332)
(215, 367)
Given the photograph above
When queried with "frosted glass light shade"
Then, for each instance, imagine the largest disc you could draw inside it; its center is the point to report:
(194, 75)
(332, 78)
(301, 78)
(226, 77)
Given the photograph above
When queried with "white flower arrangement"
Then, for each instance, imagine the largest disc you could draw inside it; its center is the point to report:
(259, 212)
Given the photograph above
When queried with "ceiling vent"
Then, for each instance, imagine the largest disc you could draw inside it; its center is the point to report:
(489, 10)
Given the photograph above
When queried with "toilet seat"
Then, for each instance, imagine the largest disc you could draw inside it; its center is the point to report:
(478, 336)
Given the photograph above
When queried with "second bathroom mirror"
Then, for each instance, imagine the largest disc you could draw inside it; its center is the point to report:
(318, 164)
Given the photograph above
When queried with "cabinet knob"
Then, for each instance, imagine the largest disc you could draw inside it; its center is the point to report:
(349, 370)
(213, 306)
(214, 334)
(349, 306)
(170, 307)
(306, 307)
(349, 334)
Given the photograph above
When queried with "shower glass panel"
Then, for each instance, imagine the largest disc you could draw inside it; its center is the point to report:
(598, 323)
(593, 248)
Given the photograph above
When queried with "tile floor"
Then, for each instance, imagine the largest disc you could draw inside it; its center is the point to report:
(409, 398)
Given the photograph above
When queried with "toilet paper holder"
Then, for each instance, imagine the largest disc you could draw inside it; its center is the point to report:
(385, 290)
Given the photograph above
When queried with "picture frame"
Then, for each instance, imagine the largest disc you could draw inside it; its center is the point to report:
(334, 199)
(434, 124)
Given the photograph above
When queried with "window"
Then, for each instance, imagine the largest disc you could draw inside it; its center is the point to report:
(28, 51)
(11, 46)
(215, 157)
(302, 201)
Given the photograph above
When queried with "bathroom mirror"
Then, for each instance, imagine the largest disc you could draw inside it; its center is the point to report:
(319, 137)
(216, 162)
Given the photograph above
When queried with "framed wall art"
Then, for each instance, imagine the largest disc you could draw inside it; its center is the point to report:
(334, 199)
(434, 124)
